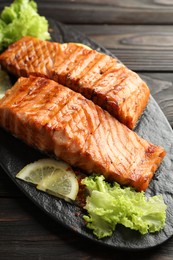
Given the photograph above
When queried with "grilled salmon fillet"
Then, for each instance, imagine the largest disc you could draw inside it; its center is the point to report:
(96, 76)
(55, 119)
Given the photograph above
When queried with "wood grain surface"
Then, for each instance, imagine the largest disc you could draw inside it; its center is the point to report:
(140, 34)
(110, 11)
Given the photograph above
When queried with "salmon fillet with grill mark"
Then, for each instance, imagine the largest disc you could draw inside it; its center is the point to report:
(55, 119)
(97, 76)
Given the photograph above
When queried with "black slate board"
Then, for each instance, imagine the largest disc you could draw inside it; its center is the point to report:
(152, 126)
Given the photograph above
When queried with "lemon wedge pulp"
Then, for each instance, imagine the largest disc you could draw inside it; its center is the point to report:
(78, 44)
(4, 83)
(51, 176)
(83, 45)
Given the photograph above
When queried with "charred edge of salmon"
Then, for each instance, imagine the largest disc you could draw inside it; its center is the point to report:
(53, 118)
(29, 56)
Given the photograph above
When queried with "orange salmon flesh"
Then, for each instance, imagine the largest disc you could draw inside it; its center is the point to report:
(55, 119)
(97, 76)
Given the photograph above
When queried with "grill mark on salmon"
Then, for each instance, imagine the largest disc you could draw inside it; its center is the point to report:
(112, 152)
(27, 104)
(81, 69)
(63, 68)
(94, 71)
(100, 90)
(78, 131)
(83, 64)
(41, 67)
(87, 61)
(116, 138)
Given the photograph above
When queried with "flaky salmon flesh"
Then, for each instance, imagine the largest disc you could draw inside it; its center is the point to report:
(57, 120)
(97, 76)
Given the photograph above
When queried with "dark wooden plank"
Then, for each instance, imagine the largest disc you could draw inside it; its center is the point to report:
(110, 11)
(75, 249)
(141, 48)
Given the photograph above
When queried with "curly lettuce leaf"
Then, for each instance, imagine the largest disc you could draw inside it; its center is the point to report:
(21, 19)
(109, 205)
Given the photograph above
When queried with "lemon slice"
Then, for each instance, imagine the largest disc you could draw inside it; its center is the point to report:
(83, 45)
(51, 176)
(5, 83)
(79, 44)
(60, 184)
(36, 171)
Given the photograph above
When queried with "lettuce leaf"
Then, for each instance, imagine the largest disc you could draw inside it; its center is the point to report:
(109, 205)
(21, 19)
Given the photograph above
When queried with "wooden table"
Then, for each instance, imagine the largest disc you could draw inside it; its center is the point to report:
(140, 34)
